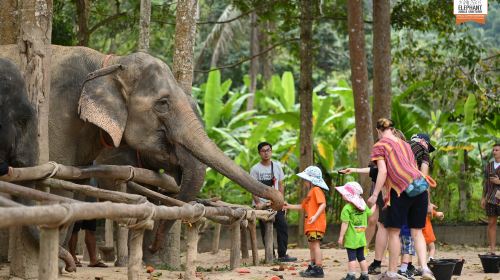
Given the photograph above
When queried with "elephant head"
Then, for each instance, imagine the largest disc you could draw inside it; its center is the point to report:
(142, 104)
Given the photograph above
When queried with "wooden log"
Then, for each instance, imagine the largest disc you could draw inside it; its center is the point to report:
(244, 242)
(25, 192)
(165, 200)
(49, 249)
(5, 202)
(135, 256)
(108, 233)
(192, 250)
(268, 243)
(216, 238)
(125, 173)
(114, 196)
(252, 228)
(234, 259)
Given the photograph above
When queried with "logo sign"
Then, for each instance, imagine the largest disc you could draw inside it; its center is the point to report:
(470, 10)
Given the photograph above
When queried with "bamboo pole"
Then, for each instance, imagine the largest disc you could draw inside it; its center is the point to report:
(268, 243)
(155, 195)
(216, 238)
(29, 193)
(234, 259)
(192, 249)
(114, 196)
(49, 251)
(125, 173)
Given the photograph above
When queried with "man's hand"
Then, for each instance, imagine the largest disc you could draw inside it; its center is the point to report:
(483, 203)
(372, 200)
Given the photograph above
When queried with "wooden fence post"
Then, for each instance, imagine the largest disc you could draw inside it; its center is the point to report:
(268, 242)
(244, 243)
(252, 228)
(192, 249)
(235, 245)
(122, 239)
(216, 238)
(135, 257)
(48, 256)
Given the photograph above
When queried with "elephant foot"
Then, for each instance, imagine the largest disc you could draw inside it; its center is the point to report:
(68, 260)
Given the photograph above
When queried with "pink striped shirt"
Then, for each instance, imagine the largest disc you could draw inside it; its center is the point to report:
(401, 165)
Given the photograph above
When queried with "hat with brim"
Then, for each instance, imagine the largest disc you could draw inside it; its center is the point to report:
(352, 193)
(313, 174)
(427, 140)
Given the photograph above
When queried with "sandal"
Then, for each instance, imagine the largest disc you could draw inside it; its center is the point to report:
(78, 263)
(98, 264)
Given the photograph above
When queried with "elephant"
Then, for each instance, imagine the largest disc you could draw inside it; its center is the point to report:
(18, 131)
(131, 100)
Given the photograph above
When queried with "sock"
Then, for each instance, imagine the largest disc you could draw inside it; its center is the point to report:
(404, 267)
(352, 273)
(377, 263)
(364, 272)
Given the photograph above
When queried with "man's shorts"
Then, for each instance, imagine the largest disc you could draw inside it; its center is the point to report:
(407, 245)
(492, 210)
(407, 210)
(86, 225)
(314, 236)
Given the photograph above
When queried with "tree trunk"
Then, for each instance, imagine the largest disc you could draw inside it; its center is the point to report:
(266, 59)
(9, 23)
(83, 13)
(254, 63)
(359, 80)
(305, 98)
(144, 25)
(35, 22)
(381, 60)
(185, 35)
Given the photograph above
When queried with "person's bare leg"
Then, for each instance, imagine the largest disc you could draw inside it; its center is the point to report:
(90, 242)
(394, 248)
(380, 242)
(432, 249)
(492, 232)
(420, 246)
(316, 250)
(363, 266)
(372, 227)
(73, 241)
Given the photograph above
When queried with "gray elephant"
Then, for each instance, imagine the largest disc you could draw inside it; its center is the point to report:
(18, 129)
(134, 101)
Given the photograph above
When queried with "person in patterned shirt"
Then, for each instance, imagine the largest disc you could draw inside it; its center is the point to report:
(490, 200)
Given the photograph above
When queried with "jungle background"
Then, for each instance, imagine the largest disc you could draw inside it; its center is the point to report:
(444, 80)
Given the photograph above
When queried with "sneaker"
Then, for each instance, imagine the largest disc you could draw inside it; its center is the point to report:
(349, 277)
(412, 270)
(427, 275)
(406, 275)
(287, 258)
(364, 277)
(374, 269)
(315, 272)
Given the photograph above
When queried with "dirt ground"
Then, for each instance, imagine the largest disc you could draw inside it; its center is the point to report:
(215, 267)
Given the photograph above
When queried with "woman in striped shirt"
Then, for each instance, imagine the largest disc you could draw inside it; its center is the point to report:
(397, 170)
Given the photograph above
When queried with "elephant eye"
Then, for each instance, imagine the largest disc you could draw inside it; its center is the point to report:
(161, 105)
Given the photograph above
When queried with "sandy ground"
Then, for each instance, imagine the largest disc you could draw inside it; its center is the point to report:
(335, 261)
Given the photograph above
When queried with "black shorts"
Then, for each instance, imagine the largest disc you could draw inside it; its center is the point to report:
(492, 210)
(353, 254)
(407, 210)
(382, 212)
(86, 225)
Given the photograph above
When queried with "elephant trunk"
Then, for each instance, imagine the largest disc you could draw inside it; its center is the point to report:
(196, 140)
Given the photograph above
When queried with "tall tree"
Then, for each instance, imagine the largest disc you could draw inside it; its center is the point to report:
(83, 13)
(266, 59)
(359, 80)
(35, 22)
(254, 62)
(144, 25)
(381, 61)
(305, 94)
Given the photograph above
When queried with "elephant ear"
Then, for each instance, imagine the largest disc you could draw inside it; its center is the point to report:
(102, 103)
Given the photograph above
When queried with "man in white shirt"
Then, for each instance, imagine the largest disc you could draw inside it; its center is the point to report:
(271, 174)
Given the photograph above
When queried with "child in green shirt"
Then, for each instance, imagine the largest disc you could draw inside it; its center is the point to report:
(354, 217)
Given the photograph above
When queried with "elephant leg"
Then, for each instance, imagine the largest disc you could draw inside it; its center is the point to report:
(193, 175)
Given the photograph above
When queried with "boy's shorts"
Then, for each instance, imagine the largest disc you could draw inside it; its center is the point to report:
(407, 245)
(314, 236)
(428, 232)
